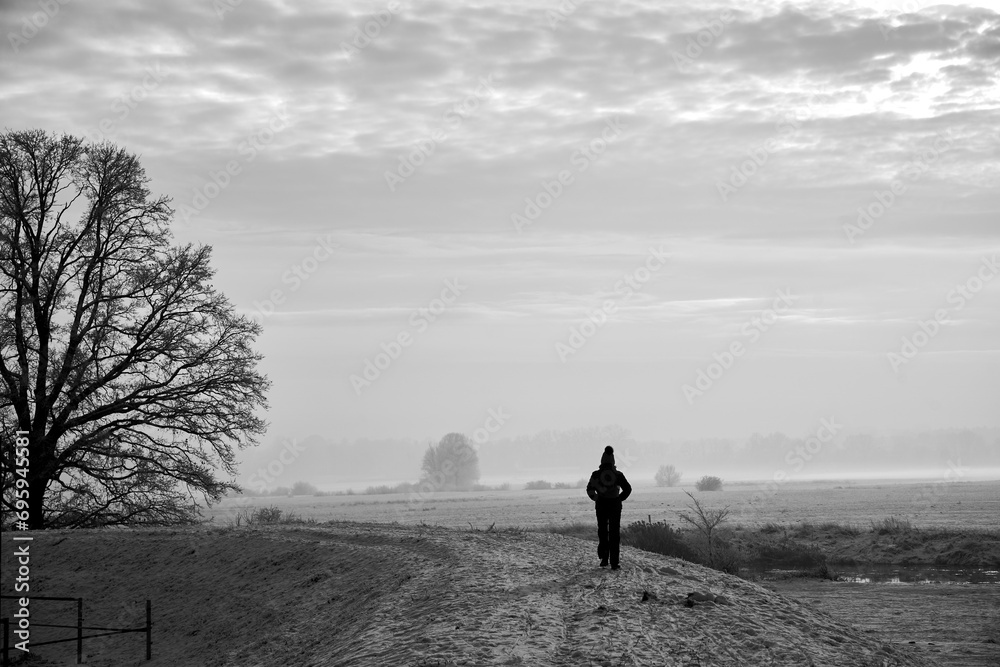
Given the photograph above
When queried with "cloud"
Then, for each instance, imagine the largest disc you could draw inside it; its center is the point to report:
(847, 98)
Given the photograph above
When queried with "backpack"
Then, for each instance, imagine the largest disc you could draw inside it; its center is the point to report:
(605, 481)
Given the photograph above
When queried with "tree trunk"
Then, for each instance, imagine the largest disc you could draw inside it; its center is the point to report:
(36, 489)
(38, 481)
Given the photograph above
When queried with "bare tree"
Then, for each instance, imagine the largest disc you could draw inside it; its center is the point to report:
(451, 465)
(667, 475)
(132, 377)
(705, 521)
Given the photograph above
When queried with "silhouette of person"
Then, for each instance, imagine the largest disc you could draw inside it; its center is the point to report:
(608, 488)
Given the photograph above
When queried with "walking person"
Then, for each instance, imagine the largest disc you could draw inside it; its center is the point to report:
(608, 488)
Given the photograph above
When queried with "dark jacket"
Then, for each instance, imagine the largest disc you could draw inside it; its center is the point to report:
(608, 485)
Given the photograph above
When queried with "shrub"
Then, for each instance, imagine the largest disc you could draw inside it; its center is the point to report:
(840, 529)
(667, 476)
(891, 526)
(706, 522)
(538, 485)
(708, 483)
(659, 537)
(575, 529)
(270, 514)
(303, 489)
(788, 553)
(771, 527)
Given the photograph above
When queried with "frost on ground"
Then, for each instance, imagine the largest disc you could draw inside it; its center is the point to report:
(378, 594)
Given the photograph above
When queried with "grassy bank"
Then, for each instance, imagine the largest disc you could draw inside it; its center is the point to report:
(813, 548)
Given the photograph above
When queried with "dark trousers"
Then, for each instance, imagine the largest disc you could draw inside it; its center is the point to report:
(609, 518)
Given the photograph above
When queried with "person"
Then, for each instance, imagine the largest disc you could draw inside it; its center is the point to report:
(608, 488)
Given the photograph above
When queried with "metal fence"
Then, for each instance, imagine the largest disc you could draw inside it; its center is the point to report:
(79, 627)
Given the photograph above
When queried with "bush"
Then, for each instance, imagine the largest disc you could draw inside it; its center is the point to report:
(586, 531)
(270, 514)
(805, 529)
(771, 527)
(538, 485)
(304, 489)
(891, 526)
(660, 538)
(667, 476)
(708, 483)
(787, 553)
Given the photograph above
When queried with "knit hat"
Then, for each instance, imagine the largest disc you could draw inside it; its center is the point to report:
(608, 457)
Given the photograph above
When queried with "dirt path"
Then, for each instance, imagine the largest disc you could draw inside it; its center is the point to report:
(539, 599)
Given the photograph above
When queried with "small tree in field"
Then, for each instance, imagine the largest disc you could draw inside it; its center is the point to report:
(705, 522)
(451, 465)
(667, 475)
(708, 483)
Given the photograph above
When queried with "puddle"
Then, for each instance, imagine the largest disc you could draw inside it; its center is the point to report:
(895, 574)
(898, 574)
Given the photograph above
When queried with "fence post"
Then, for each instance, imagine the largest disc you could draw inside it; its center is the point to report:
(79, 631)
(149, 630)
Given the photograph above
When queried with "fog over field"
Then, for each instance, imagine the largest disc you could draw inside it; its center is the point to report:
(535, 221)
(948, 455)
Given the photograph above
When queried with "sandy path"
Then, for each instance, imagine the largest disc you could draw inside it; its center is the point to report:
(540, 599)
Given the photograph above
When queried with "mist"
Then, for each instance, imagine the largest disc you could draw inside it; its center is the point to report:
(568, 456)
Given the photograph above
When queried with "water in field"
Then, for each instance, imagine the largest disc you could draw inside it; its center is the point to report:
(894, 574)
(897, 574)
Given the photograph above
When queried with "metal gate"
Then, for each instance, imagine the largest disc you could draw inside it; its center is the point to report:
(79, 627)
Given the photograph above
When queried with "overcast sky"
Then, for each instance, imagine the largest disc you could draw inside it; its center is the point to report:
(797, 185)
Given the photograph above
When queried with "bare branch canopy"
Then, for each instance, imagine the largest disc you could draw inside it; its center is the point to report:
(134, 378)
